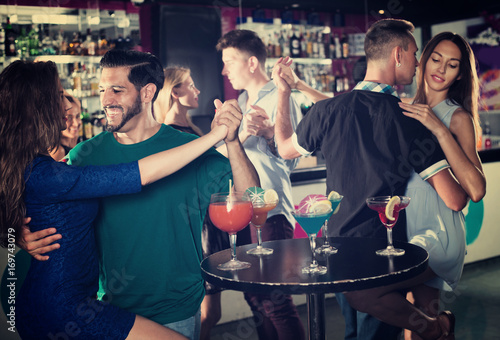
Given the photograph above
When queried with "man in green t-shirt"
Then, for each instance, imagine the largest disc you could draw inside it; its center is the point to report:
(150, 242)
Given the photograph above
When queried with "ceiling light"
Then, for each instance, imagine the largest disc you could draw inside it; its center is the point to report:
(94, 20)
(123, 22)
(58, 19)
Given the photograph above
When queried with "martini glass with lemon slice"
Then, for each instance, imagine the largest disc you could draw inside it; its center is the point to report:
(388, 209)
(263, 201)
(334, 198)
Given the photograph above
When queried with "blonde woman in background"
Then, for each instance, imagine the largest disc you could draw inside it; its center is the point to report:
(178, 96)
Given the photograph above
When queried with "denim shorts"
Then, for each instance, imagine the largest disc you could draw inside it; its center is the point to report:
(189, 327)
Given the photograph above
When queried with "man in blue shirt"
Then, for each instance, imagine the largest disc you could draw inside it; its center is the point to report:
(244, 58)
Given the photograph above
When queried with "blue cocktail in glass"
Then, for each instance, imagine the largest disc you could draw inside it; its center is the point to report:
(311, 223)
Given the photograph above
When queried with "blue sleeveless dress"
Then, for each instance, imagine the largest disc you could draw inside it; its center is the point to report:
(58, 297)
(435, 227)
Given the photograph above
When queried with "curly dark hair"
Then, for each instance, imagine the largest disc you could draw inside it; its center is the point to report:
(145, 68)
(30, 103)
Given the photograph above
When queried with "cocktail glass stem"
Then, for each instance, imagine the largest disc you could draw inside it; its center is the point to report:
(259, 236)
(234, 263)
(314, 267)
(326, 248)
(389, 239)
(232, 239)
(312, 242)
(259, 250)
(325, 231)
(390, 250)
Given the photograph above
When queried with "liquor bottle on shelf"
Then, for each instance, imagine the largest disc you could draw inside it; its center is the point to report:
(315, 45)
(76, 76)
(85, 82)
(338, 47)
(94, 81)
(309, 51)
(270, 47)
(60, 44)
(49, 46)
(103, 45)
(87, 124)
(22, 44)
(75, 46)
(295, 48)
(10, 40)
(80, 131)
(338, 19)
(339, 82)
(326, 45)
(285, 48)
(2, 41)
(345, 46)
(88, 46)
(321, 46)
(97, 126)
(277, 51)
(331, 83)
(303, 44)
(34, 41)
(121, 42)
(345, 79)
(331, 47)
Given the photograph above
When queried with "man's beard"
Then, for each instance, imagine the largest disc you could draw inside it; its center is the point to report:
(131, 113)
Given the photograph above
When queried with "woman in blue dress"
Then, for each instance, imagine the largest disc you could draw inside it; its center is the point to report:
(58, 297)
(447, 104)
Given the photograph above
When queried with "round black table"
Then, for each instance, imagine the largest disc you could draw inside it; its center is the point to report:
(354, 267)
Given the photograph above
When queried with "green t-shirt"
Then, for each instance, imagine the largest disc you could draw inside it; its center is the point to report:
(150, 242)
